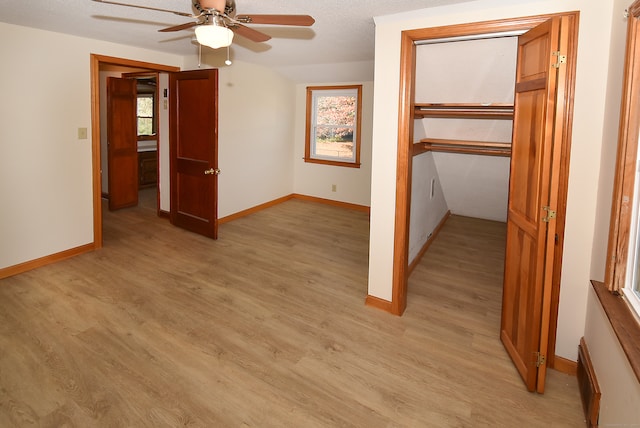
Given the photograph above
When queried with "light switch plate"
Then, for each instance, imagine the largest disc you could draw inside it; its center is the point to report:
(82, 133)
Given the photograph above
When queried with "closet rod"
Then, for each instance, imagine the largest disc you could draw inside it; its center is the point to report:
(461, 146)
(470, 37)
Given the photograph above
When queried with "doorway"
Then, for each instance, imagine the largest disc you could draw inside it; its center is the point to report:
(98, 63)
(563, 118)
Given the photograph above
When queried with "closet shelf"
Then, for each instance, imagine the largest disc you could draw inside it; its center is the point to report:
(462, 146)
(464, 110)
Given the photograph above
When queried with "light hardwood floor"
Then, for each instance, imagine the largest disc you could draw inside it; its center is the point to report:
(265, 327)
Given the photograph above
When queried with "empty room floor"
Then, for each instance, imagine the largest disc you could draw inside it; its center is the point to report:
(265, 327)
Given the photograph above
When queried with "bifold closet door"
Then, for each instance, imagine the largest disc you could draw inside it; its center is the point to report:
(533, 194)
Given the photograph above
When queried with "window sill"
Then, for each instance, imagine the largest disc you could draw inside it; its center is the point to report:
(334, 163)
(624, 324)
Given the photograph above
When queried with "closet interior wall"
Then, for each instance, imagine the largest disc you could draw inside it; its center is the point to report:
(469, 72)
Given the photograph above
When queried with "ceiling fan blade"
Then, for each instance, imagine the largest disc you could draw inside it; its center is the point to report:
(301, 20)
(249, 33)
(178, 27)
(147, 7)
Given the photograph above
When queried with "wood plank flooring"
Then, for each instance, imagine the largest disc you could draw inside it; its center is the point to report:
(265, 327)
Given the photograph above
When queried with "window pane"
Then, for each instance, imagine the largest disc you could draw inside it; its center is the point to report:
(145, 106)
(338, 150)
(145, 126)
(334, 126)
(335, 142)
(336, 110)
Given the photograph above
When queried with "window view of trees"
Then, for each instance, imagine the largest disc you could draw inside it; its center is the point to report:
(145, 115)
(335, 121)
(333, 125)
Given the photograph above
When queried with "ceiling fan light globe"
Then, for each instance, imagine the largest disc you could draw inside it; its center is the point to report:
(214, 36)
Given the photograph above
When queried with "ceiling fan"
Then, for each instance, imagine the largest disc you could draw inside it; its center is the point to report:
(216, 21)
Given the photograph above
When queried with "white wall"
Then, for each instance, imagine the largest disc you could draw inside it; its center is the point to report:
(475, 185)
(590, 98)
(470, 71)
(427, 209)
(352, 184)
(45, 170)
(164, 178)
(358, 71)
(620, 401)
(255, 138)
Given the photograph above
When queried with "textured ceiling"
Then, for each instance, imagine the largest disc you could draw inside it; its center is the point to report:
(343, 32)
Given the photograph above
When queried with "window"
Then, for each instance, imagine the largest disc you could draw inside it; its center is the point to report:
(623, 251)
(623, 267)
(333, 125)
(145, 110)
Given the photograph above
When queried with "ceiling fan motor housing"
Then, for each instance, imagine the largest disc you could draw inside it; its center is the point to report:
(202, 6)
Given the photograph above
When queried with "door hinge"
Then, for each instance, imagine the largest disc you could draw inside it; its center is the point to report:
(562, 59)
(540, 359)
(551, 214)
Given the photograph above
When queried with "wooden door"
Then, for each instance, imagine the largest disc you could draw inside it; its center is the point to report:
(533, 198)
(122, 144)
(193, 151)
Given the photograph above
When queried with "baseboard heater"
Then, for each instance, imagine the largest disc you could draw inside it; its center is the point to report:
(589, 389)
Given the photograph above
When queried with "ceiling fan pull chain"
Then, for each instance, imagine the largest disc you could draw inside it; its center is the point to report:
(228, 61)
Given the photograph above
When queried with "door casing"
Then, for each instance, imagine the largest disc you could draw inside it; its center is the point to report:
(96, 61)
(405, 139)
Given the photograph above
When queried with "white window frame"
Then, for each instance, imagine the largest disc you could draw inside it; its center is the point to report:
(152, 117)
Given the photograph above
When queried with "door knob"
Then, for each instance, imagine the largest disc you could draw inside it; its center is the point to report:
(215, 171)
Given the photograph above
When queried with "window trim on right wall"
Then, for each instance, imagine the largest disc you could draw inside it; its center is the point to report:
(309, 155)
(627, 156)
(621, 229)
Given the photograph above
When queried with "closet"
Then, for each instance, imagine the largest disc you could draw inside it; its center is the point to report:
(463, 117)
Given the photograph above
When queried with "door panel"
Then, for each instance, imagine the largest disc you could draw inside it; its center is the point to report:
(122, 151)
(193, 142)
(534, 173)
